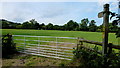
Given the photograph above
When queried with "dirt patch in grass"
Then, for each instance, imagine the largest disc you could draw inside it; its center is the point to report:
(30, 60)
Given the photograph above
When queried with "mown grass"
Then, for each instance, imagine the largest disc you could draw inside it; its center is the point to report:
(95, 36)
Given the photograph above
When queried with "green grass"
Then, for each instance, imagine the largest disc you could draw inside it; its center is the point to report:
(94, 36)
(31, 60)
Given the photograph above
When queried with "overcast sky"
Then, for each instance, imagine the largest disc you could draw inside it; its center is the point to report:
(52, 12)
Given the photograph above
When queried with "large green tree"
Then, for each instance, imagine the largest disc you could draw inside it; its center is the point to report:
(4, 23)
(92, 26)
(8, 24)
(49, 26)
(34, 24)
(71, 25)
(113, 28)
(100, 28)
(42, 26)
(83, 24)
(26, 25)
(56, 27)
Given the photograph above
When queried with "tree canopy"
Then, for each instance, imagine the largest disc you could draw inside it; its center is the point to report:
(84, 25)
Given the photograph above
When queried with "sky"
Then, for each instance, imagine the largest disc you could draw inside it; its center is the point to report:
(58, 13)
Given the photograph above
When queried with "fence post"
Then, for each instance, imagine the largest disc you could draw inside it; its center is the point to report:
(118, 40)
(110, 48)
(81, 43)
(38, 45)
(24, 43)
(56, 46)
(78, 43)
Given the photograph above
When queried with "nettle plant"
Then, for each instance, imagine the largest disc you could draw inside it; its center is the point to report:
(91, 59)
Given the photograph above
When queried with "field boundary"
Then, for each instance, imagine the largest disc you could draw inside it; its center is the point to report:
(110, 46)
(53, 51)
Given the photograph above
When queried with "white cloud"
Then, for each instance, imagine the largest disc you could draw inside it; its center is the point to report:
(57, 13)
(20, 12)
(0, 10)
(102, 2)
(114, 6)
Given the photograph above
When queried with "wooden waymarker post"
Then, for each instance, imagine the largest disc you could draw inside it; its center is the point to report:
(105, 28)
(105, 14)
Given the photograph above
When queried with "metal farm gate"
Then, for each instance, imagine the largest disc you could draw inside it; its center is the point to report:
(47, 46)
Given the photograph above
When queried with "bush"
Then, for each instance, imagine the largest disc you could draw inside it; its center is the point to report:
(8, 46)
(91, 59)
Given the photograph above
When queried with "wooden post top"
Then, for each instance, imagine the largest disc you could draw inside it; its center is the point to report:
(106, 5)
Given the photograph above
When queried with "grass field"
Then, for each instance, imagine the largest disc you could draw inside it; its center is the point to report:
(94, 36)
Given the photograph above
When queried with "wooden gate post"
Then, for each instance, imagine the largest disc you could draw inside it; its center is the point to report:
(105, 28)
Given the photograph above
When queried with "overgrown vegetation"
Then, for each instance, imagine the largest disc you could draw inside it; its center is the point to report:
(91, 59)
(8, 46)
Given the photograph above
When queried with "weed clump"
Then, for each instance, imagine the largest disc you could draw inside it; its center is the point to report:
(8, 46)
(91, 59)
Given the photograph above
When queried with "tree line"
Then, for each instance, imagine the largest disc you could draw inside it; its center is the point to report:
(84, 25)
